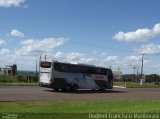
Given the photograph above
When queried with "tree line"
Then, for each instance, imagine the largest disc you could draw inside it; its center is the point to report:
(19, 78)
(152, 78)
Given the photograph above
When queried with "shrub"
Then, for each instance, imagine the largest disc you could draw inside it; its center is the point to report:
(8, 79)
(21, 78)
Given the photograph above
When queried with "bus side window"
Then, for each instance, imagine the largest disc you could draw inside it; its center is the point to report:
(64, 68)
(56, 67)
(59, 67)
(103, 72)
(98, 71)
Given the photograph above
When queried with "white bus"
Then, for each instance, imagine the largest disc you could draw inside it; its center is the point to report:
(70, 77)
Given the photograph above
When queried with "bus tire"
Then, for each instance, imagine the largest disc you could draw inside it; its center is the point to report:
(56, 89)
(68, 87)
(75, 88)
(103, 88)
(110, 86)
(40, 84)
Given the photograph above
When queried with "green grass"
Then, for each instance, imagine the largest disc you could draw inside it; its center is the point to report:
(18, 84)
(128, 106)
(6, 79)
(136, 85)
(60, 109)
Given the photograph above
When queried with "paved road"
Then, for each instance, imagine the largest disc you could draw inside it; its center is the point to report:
(33, 93)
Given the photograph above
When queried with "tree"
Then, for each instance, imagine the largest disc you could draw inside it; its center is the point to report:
(152, 78)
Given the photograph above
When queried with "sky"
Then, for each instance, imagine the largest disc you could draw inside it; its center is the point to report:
(108, 33)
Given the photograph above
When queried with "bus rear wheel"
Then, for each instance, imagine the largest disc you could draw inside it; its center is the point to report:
(103, 88)
(67, 88)
(75, 88)
(56, 89)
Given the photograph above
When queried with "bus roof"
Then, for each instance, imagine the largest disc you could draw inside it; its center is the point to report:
(80, 64)
(74, 63)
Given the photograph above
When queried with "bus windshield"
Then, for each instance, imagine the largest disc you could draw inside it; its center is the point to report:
(46, 64)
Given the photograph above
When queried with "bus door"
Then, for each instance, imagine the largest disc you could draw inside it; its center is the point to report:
(45, 72)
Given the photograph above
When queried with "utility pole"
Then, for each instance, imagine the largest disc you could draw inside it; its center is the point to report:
(137, 73)
(45, 57)
(118, 73)
(142, 69)
(39, 63)
(134, 68)
(137, 70)
(36, 67)
(118, 69)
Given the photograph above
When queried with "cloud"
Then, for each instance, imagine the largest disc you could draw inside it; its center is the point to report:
(6, 57)
(150, 49)
(10, 3)
(28, 57)
(141, 35)
(4, 52)
(38, 47)
(131, 60)
(73, 57)
(2, 42)
(30, 51)
(112, 59)
(122, 62)
(16, 33)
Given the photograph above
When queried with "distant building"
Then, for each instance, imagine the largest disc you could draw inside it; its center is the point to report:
(9, 70)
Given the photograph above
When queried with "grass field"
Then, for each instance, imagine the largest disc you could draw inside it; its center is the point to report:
(18, 84)
(82, 106)
(136, 85)
(74, 107)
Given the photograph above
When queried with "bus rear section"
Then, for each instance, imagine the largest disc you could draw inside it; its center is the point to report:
(110, 78)
(45, 74)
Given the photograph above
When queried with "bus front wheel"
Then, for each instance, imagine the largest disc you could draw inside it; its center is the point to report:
(67, 88)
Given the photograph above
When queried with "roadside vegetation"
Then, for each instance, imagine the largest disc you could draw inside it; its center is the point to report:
(19, 80)
(133, 81)
(136, 85)
(152, 78)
